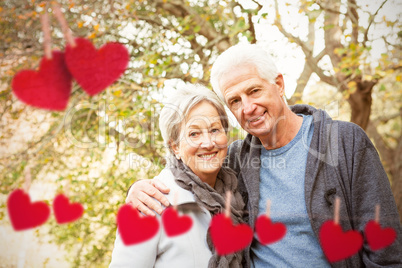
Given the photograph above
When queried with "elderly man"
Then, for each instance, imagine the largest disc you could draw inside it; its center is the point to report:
(300, 159)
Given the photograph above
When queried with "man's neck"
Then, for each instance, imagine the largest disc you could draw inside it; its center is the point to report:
(284, 132)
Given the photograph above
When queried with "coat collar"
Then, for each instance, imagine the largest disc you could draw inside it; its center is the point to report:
(183, 196)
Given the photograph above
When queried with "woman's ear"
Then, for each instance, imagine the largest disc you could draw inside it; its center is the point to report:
(175, 147)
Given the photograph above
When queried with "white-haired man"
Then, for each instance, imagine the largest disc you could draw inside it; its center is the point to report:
(300, 159)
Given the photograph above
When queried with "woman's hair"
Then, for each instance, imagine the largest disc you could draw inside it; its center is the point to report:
(179, 105)
(240, 55)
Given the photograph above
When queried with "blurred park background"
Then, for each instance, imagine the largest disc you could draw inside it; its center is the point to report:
(343, 56)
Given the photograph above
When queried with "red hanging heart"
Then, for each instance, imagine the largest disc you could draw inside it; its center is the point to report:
(338, 245)
(49, 88)
(66, 212)
(269, 232)
(133, 228)
(94, 69)
(378, 237)
(24, 214)
(228, 238)
(174, 224)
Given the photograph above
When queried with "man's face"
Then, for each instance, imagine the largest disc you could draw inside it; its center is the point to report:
(257, 105)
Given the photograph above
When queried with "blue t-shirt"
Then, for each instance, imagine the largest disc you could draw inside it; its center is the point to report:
(282, 177)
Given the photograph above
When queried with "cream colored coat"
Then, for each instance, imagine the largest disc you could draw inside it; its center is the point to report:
(186, 250)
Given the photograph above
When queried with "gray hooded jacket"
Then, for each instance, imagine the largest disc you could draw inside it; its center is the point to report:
(342, 162)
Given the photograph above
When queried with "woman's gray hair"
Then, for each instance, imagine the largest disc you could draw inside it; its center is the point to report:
(240, 55)
(179, 105)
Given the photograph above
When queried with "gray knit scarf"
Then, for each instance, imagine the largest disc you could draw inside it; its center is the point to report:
(214, 201)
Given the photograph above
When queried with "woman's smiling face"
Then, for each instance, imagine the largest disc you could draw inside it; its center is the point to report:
(203, 142)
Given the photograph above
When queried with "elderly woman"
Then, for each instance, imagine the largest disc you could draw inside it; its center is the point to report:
(194, 128)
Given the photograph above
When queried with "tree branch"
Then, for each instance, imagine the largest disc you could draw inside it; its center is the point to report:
(328, 9)
(372, 17)
(258, 4)
(311, 61)
(301, 84)
(307, 69)
(250, 19)
(385, 118)
(181, 9)
(251, 28)
(384, 150)
(332, 39)
(354, 17)
(398, 46)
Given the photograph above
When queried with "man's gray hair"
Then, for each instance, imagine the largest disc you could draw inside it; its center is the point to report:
(179, 105)
(241, 55)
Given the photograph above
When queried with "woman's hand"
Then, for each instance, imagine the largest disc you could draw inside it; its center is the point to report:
(140, 193)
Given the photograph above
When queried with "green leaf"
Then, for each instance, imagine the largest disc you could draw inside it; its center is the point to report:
(329, 26)
(197, 28)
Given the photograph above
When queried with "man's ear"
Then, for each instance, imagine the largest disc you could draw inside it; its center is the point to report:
(280, 83)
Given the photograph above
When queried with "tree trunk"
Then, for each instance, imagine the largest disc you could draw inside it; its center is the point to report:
(301, 84)
(396, 173)
(360, 103)
(392, 160)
